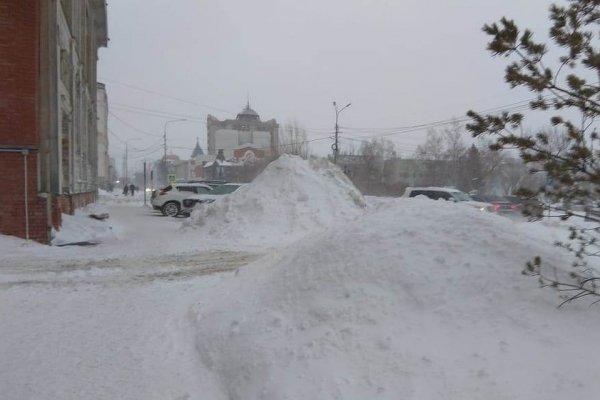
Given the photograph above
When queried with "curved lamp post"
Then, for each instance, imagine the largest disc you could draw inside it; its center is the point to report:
(335, 146)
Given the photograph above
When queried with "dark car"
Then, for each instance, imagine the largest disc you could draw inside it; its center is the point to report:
(502, 204)
(530, 207)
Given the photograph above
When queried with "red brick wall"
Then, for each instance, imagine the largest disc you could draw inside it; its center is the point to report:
(12, 198)
(19, 65)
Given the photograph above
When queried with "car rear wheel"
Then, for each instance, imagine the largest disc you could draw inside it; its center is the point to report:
(170, 209)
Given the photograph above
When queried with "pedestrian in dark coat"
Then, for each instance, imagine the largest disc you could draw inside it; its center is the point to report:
(125, 190)
(132, 188)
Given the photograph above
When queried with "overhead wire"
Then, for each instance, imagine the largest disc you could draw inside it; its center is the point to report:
(522, 104)
(435, 124)
(153, 112)
(132, 127)
(153, 148)
(140, 156)
(167, 96)
(349, 131)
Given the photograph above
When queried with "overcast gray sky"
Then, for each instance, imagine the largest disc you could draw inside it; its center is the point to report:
(400, 63)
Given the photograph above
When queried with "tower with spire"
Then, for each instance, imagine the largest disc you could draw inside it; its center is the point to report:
(197, 153)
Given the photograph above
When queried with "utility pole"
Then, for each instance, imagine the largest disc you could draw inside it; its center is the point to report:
(335, 145)
(144, 182)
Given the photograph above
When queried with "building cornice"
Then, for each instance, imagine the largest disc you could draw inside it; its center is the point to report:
(100, 22)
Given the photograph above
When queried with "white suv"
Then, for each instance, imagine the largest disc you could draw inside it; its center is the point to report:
(169, 200)
(450, 194)
(219, 191)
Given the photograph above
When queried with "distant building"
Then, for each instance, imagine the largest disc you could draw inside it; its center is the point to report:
(48, 129)
(245, 131)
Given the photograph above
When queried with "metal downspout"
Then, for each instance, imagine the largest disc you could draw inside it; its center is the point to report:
(25, 152)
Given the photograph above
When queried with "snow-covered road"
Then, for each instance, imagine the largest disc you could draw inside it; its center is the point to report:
(92, 342)
(95, 323)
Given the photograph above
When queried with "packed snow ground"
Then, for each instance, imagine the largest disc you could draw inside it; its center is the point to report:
(404, 298)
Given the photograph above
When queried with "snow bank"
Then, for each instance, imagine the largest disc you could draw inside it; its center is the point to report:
(421, 300)
(80, 227)
(291, 198)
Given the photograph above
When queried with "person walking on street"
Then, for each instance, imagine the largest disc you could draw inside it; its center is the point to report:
(132, 188)
(125, 190)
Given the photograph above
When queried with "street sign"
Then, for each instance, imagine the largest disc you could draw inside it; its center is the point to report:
(171, 178)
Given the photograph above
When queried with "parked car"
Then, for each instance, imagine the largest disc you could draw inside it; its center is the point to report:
(449, 194)
(169, 200)
(218, 191)
(210, 182)
(501, 204)
(532, 208)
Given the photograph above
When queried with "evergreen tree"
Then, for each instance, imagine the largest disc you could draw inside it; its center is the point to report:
(566, 87)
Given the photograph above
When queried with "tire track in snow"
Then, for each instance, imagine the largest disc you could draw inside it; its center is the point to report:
(111, 272)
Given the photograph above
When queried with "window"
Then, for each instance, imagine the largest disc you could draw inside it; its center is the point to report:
(224, 189)
(429, 193)
(443, 195)
(460, 196)
(203, 190)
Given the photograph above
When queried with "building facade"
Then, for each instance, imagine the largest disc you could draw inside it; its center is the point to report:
(48, 128)
(103, 159)
(245, 131)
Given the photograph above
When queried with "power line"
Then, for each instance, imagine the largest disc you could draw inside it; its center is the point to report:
(421, 127)
(155, 113)
(140, 156)
(383, 132)
(167, 96)
(154, 145)
(116, 136)
(147, 151)
(133, 127)
(522, 104)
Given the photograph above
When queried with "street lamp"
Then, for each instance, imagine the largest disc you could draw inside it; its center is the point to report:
(335, 146)
(165, 145)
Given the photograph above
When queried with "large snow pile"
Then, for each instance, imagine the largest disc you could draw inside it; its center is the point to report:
(290, 198)
(423, 300)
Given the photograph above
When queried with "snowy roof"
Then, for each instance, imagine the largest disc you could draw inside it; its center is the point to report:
(218, 162)
(248, 114)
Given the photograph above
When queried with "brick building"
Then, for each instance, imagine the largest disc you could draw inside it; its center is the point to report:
(48, 127)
